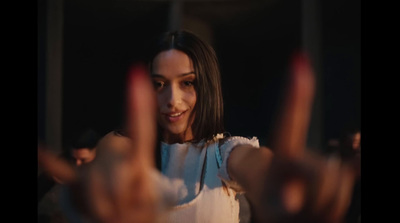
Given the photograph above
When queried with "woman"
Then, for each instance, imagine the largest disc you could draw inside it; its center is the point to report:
(203, 168)
(194, 151)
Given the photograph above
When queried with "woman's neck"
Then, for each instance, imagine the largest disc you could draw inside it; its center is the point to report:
(178, 138)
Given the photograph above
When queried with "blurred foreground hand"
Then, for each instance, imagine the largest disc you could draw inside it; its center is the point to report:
(118, 186)
(301, 186)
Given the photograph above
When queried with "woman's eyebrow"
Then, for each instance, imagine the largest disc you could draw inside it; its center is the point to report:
(157, 75)
(185, 74)
(180, 75)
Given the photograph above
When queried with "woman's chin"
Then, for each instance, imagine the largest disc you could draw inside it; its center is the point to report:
(176, 133)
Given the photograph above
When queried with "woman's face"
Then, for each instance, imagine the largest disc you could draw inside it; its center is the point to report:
(174, 78)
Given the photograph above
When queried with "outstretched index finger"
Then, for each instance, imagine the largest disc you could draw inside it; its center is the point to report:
(141, 113)
(292, 129)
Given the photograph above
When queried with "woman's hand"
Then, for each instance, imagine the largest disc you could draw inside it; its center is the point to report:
(300, 186)
(117, 186)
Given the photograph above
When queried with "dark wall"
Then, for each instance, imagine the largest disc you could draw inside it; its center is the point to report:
(254, 53)
(41, 66)
(101, 41)
(341, 54)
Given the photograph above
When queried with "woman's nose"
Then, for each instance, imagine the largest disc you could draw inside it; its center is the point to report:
(173, 96)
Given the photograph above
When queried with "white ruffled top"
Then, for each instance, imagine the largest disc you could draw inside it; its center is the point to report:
(194, 175)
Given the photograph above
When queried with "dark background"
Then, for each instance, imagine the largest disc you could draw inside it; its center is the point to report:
(253, 40)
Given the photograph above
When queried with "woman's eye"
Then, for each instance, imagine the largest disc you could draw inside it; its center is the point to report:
(158, 84)
(188, 83)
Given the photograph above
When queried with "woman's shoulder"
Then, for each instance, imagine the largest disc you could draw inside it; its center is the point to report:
(227, 140)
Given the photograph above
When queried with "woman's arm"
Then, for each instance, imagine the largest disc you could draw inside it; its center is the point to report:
(246, 164)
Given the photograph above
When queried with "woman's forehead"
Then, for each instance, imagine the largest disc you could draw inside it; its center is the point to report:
(172, 62)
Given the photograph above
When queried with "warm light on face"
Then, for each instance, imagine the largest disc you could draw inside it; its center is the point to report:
(83, 155)
(174, 80)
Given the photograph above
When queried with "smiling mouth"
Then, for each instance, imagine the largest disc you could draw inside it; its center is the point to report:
(176, 114)
(174, 117)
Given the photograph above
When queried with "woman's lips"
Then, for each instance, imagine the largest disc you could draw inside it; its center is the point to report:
(174, 116)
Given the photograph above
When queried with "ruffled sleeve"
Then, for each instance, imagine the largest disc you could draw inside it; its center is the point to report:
(223, 152)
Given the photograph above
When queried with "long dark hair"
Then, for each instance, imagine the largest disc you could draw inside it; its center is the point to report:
(208, 120)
